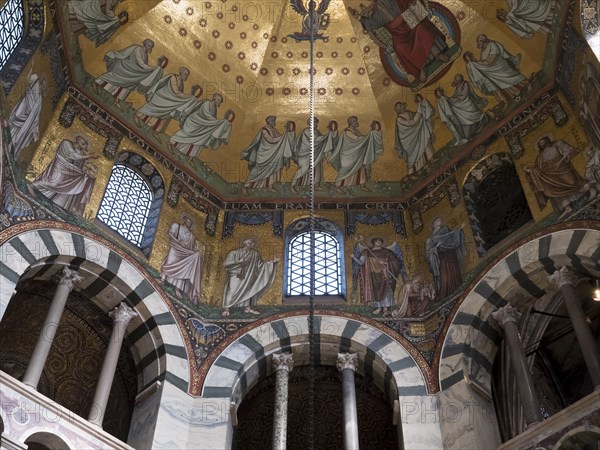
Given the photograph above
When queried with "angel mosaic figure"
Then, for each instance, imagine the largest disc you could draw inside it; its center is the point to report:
(377, 268)
(313, 19)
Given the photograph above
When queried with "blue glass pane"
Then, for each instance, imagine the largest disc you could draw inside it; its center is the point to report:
(11, 29)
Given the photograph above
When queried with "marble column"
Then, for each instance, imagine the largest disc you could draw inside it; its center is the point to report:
(283, 363)
(347, 364)
(121, 316)
(563, 279)
(67, 281)
(508, 317)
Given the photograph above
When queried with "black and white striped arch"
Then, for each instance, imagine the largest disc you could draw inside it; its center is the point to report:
(472, 335)
(247, 360)
(109, 278)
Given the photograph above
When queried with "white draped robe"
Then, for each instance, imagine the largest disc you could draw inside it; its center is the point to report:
(182, 266)
(502, 74)
(268, 153)
(324, 144)
(526, 17)
(201, 129)
(353, 156)
(24, 120)
(64, 180)
(248, 278)
(415, 136)
(128, 70)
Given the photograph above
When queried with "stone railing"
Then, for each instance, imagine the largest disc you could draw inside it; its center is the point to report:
(25, 412)
(582, 416)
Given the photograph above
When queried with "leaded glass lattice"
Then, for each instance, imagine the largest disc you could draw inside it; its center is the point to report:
(327, 268)
(11, 28)
(126, 203)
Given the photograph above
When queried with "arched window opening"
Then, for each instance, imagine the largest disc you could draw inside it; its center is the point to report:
(495, 201)
(11, 29)
(132, 200)
(327, 272)
(126, 204)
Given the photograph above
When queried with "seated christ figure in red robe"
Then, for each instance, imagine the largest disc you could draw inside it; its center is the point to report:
(415, 39)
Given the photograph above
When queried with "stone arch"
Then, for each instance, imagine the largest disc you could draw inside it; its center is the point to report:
(239, 366)
(520, 273)
(393, 367)
(52, 441)
(37, 249)
(582, 435)
(471, 340)
(111, 277)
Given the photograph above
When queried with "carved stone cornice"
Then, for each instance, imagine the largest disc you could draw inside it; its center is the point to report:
(506, 314)
(283, 361)
(347, 361)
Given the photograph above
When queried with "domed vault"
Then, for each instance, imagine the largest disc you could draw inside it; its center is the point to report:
(255, 55)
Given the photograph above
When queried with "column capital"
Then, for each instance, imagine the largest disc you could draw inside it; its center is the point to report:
(562, 277)
(283, 361)
(122, 313)
(507, 313)
(69, 278)
(347, 361)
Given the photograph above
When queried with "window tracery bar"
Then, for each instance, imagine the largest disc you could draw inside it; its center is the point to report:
(11, 29)
(327, 268)
(126, 204)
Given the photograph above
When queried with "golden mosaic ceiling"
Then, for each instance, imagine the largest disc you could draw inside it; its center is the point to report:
(245, 50)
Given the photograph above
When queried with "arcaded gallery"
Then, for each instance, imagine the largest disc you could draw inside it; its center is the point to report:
(301, 224)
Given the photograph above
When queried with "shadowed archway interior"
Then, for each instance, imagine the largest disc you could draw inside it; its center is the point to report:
(73, 366)
(255, 415)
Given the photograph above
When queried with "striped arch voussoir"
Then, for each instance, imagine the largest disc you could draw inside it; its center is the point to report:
(40, 249)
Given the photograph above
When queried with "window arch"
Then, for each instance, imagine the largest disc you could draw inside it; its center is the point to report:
(11, 28)
(328, 273)
(495, 201)
(132, 200)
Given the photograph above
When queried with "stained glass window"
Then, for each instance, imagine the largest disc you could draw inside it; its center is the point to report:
(327, 271)
(126, 203)
(11, 28)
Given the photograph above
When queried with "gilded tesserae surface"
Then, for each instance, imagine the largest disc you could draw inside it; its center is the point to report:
(208, 83)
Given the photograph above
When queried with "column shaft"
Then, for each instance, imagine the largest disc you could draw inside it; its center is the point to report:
(350, 413)
(283, 364)
(525, 384)
(347, 364)
(46, 338)
(122, 315)
(584, 335)
(281, 407)
(508, 317)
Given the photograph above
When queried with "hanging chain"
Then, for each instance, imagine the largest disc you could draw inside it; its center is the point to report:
(311, 300)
